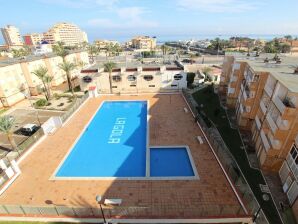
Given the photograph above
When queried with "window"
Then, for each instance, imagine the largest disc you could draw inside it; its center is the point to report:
(148, 77)
(174, 85)
(131, 78)
(114, 87)
(133, 85)
(151, 85)
(178, 76)
(116, 78)
(294, 152)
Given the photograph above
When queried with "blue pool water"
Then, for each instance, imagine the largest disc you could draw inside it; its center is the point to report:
(113, 145)
(170, 162)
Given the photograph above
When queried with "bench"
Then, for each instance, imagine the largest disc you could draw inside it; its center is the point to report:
(200, 139)
(185, 110)
(113, 201)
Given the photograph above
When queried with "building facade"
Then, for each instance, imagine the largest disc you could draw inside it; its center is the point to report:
(11, 35)
(289, 177)
(33, 39)
(16, 77)
(144, 43)
(69, 34)
(264, 94)
(135, 79)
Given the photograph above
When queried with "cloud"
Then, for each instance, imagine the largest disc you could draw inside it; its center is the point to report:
(218, 6)
(127, 18)
(82, 3)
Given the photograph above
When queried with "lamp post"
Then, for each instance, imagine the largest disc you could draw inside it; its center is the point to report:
(27, 96)
(98, 200)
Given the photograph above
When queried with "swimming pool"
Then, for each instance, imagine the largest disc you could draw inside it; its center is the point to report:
(114, 145)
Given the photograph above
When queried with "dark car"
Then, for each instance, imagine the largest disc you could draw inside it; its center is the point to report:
(29, 129)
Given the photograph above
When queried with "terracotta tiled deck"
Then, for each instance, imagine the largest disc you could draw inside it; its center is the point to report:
(169, 125)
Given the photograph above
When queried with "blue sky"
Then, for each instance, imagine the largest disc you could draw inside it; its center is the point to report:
(166, 19)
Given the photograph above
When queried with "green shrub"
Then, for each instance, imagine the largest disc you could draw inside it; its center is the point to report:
(41, 103)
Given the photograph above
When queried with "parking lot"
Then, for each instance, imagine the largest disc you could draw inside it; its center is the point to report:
(22, 117)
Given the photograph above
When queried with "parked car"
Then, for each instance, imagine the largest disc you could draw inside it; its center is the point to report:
(29, 129)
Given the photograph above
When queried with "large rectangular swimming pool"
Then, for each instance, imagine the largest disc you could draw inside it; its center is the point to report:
(114, 145)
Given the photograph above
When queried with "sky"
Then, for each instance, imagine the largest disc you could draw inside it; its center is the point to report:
(165, 19)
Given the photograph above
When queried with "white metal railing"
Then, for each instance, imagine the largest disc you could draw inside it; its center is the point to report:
(265, 141)
(268, 90)
(282, 124)
(279, 104)
(271, 123)
(263, 107)
(258, 122)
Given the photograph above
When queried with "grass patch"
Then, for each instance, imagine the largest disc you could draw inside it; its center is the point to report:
(213, 110)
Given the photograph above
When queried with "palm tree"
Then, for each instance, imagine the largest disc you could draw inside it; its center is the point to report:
(6, 127)
(108, 67)
(92, 50)
(60, 50)
(42, 73)
(68, 67)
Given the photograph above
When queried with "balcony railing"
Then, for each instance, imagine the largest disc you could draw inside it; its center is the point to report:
(282, 124)
(258, 122)
(271, 123)
(276, 144)
(265, 141)
(279, 104)
(268, 90)
(263, 107)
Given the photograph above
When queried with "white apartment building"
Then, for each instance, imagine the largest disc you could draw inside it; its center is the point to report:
(11, 35)
(68, 33)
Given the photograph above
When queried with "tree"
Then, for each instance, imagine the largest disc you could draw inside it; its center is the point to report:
(92, 50)
(22, 52)
(42, 73)
(164, 49)
(108, 67)
(60, 50)
(68, 67)
(6, 127)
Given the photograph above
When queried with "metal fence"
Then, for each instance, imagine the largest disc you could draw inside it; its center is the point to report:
(74, 107)
(228, 162)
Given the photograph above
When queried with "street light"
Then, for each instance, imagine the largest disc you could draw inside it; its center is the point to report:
(98, 200)
(27, 96)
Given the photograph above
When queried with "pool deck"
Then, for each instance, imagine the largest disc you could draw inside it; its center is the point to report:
(169, 125)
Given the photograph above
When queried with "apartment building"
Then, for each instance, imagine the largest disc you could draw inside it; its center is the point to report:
(33, 39)
(289, 177)
(143, 43)
(11, 35)
(16, 76)
(102, 44)
(68, 33)
(264, 93)
(135, 78)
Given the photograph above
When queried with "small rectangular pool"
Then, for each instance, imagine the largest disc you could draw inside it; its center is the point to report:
(170, 162)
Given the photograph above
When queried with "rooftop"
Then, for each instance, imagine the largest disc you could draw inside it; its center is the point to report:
(29, 58)
(284, 72)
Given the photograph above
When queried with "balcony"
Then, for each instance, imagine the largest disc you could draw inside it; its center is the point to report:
(234, 78)
(265, 141)
(282, 124)
(271, 123)
(258, 122)
(231, 90)
(279, 104)
(263, 107)
(276, 144)
(268, 90)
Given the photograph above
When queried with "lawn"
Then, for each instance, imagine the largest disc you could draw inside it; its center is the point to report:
(2, 111)
(213, 110)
